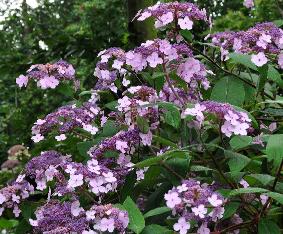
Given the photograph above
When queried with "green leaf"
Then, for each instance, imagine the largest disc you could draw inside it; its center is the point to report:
(273, 112)
(83, 93)
(274, 149)
(83, 148)
(173, 117)
(66, 90)
(187, 35)
(247, 190)
(275, 76)
(28, 208)
(267, 226)
(263, 73)
(156, 211)
(112, 105)
(142, 124)
(230, 209)
(243, 59)
(128, 185)
(8, 224)
(109, 129)
(278, 23)
(237, 161)
(240, 142)
(264, 179)
(276, 196)
(23, 227)
(167, 155)
(156, 229)
(136, 218)
(164, 141)
(200, 168)
(229, 90)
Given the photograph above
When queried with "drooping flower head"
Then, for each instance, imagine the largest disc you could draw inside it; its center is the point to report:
(49, 75)
(12, 195)
(233, 121)
(193, 201)
(65, 120)
(260, 41)
(166, 13)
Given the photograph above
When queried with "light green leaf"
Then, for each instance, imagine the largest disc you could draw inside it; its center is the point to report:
(230, 209)
(136, 218)
(8, 224)
(83, 148)
(274, 75)
(247, 190)
(109, 129)
(142, 124)
(274, 149)
(263, 73)
(243, 59)
(173, 117)
(200, 168)
(112, 105)
(240, 142)
(237, 161)
(276, 196)
(156, 211)
(278, 23)
(156, 159)
(229, 90)
(164, 141)
(265, 179)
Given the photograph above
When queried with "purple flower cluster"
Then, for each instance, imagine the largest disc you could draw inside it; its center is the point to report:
(249, 3)
(193, 201)
(232, 121)
(183, 14)
(66, 119)
(68, 217)
(49, 75)
(261, 40)
(141, 104)
(107, 218)
(101, 175)
(109, 68)
(55, 217)
(172, 57)
(123, 142)
(12, 195)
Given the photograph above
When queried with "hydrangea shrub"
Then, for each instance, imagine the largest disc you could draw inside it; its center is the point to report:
(177, 136)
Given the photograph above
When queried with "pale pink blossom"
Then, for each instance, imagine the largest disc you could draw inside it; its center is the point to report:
(61, 137)
(75, 180)
(22, 81)
(146, 138)
(214, 201)
(154, 60)
(76, 209)
(106, 225)
(182, 226)
(248, 3)
(37, 138)
(48, 82)
(122, 146)
(259, 59)
(199, 211)
(172, 199)
(185, 23)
